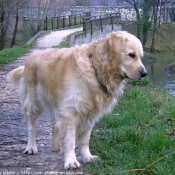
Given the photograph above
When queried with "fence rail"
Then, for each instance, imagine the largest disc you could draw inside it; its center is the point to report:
(91, 22)
(64, 21)
(59, 21)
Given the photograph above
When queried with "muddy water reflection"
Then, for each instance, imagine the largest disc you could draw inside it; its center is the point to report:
(160, 77)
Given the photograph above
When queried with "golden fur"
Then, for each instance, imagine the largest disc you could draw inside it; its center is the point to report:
(76, 86)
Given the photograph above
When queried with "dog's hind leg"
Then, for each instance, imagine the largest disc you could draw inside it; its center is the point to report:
(57, 137)
(31, 111)
(31, 144)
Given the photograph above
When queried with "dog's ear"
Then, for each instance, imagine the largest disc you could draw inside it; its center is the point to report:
(115, 44)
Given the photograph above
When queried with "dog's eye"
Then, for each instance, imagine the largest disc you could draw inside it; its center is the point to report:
(132, 55)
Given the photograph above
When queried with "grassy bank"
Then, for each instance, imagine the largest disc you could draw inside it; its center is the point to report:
(10, 54)
(139, 136)
(164, 38)
(63, 44)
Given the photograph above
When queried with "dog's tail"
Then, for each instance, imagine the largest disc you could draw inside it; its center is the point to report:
(15, 75)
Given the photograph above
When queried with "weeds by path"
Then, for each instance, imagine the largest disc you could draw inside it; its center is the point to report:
(8, 55)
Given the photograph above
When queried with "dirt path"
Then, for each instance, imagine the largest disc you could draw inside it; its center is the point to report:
(13, 127)
(54, 38)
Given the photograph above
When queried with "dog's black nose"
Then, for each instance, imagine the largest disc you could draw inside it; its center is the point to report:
(143, 73)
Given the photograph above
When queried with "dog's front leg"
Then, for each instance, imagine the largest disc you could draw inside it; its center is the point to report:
(70, 161)
(83, 144)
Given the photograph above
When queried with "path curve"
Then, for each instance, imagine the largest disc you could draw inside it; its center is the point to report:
(13, 127)
(54, 38)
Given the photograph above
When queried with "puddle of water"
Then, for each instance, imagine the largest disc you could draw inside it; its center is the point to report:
(160, 77)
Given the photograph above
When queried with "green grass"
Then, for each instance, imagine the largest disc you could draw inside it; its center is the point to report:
(10, 54)
(63, 44)
(138, 132)
(66, 42)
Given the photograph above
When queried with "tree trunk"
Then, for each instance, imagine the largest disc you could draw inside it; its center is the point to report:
(155, 10)
(2, 27)
(160, 12)
(15, 30)
(152, 49)
(139, 21)
(146, 6)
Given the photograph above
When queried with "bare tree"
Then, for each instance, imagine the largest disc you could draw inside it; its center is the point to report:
(5, 9)
(40, 9)
(155, 24)
(146, 19)
(18, 4)
(136, 5)
(63, 5)
(36, 12)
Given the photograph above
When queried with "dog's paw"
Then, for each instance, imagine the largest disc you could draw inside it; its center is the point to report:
(90, 158)
(30, 150)
(71, 165)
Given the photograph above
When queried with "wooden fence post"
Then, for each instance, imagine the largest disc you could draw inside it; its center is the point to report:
(91, 27)
(112, 22)
(85, 23)
(70, 21)
(81, 19)
(52, 22)
(63, 21)
(46, 22)
(57, 23)
(101, 24)
(75, 19)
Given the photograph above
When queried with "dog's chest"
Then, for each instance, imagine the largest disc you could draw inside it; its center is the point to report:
(88, 99)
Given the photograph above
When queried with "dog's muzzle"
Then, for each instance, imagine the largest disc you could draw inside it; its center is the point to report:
(143, 73)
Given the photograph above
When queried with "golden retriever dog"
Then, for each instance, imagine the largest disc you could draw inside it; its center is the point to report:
(76, 86)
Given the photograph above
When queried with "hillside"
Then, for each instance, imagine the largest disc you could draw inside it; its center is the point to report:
(165, 38)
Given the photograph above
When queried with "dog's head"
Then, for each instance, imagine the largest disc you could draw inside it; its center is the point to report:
(126, 52)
